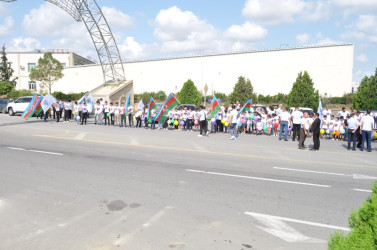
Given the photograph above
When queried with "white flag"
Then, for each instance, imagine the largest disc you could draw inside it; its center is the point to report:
(89, 102)
(320, 110)
(141, 106)
(47, 101)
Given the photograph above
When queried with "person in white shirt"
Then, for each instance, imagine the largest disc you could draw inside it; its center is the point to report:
(58, 111)
(279, 110)
(116, 114)
(84, 113)
(122, 111)
(327, 111)
(367, 124)
(343, 113)
(138, 118)
(98, 113)
(232, 120)
(296, 120)
(111, 111)
(303, 130)
(66, 112)
(69, 110)
(285, 118)
(203, 121)
(77, 112)
(352, 126)
(130, 115)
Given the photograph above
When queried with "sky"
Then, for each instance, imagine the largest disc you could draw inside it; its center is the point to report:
(146, 29)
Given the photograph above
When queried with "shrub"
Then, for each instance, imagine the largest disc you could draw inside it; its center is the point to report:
(6, 88)
(73, 96)
(14, 94)
(242, 91)
(189, 94)
(363, 223)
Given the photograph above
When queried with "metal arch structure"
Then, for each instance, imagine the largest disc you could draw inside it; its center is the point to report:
(89, 12)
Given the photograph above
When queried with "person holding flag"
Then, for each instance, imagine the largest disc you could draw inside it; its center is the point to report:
(127, 109)
(151, 106)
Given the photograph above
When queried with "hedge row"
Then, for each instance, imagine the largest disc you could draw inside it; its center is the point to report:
(364, 228)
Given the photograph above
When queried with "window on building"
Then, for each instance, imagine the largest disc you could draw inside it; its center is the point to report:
(32, 85)
(31, 66)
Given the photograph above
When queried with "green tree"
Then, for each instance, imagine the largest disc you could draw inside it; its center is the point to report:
(189, 94)
(6, 70)
(48, 71)
(242, 91)
(365, 97)
(303, 93)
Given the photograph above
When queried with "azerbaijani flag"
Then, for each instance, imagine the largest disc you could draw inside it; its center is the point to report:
(127, 103)
(246, 107)
(39, 100)
(215, 108)
(30, 107)
(82, 100)
(170, 103)
(151, 105)
(39, 108)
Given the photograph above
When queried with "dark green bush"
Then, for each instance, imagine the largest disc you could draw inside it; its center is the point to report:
(14, 94)
(72, 97)
(363, 223)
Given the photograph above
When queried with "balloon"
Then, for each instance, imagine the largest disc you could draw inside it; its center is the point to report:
(182, 123)
(78, 118)
(108, 114)
(333, 133)
(239, 124)
(259, 129)
(264, 128)
(289, 129)
(223, 121)
(255, 118)
(196, 122)
(73, 113)
(322, 131)
(327, 131)
(276, 125)
(331, 130)
(243, 121)
(134, 118)
(169, 122)
(342, 131)
(337, 133)
(213, 123)
(226, 124)
(143, 118)
(375, 135)
(251, 116)
(176, 123)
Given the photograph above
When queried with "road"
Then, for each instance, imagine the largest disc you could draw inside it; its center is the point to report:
(66, 186)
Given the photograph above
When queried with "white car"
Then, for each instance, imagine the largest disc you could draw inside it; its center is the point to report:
(18, 106)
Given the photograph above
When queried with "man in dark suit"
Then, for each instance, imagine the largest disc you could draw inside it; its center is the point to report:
(316, 127)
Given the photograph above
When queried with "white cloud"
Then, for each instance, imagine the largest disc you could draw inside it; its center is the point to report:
(302, 38)
(273, 12)
(3, 9)
(357, 6)
(322, 40)
(6, 28)
(117, 18)
(131, 49)
(365, 28)
(362, 58)
(246, 32)
(21, 44)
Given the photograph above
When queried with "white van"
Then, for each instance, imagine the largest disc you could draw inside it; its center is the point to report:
(18, 106)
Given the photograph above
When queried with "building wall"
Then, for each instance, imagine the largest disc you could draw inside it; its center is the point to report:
(270, 71)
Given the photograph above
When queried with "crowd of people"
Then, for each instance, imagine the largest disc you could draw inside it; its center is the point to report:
(354, 127)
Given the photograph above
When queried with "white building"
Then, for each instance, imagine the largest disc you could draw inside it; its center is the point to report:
(23, 62)
(270, 71)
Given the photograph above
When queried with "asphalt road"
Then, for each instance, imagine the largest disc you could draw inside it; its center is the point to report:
(65, 186)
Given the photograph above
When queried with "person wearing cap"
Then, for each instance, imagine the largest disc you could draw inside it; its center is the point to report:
(352, 127)
(367, 124)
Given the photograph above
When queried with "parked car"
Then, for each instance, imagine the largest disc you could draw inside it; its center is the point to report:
(189, 106)
(303, 110)
(3, 105)
(19, 105)
(258, 108)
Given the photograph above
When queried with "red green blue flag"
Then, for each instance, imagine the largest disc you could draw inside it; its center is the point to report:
(151, 105)
(215, 107)
(127, 103)
(246, 107)
(38, 103)
(169, 104)
(29, 107)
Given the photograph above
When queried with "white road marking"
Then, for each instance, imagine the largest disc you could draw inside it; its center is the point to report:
(153, 219)
(355, 176)
(271, 217)
(198, 147)
(80, 136)
(364, 177)
(283, 231)
(258, 178)
(362, 190)
(35, 151)
(310, 171)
